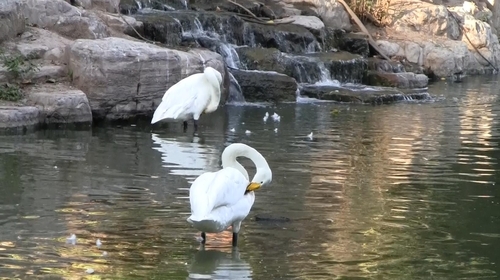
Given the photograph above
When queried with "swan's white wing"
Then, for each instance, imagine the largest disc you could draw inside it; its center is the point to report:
(211, 190)
(190, 95)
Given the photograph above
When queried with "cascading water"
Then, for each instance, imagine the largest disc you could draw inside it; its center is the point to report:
(290, 50)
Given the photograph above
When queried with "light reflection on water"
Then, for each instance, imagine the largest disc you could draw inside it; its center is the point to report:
(404, 191)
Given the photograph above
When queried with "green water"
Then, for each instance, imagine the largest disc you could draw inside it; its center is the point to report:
(402, 191)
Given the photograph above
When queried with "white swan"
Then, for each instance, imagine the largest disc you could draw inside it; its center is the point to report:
(190, 97)
(224, 198)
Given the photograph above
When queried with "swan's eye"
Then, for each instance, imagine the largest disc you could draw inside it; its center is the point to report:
(262, 182)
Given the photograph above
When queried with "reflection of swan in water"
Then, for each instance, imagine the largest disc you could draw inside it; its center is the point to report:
(189, 159)
(213, 264)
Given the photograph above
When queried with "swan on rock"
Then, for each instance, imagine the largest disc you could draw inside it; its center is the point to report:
(224, 198)
(190, 98)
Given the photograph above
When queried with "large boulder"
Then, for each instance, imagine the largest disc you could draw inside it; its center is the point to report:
(124, 78)
(266, 85)
(12, 20)
(37, 43)
(450, 40)
(332, 13)
(13, 116)
(65, 19)
(60, 104)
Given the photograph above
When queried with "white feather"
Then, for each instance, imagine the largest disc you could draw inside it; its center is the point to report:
(190, 97)
(218, 199)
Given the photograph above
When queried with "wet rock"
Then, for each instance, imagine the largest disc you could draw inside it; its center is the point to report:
(306, 68)
(173, 27)
(124, 78)
(389, 66)
(235, 92)
(398, 80)
(266, 85)
(18, 116)
(67, 20)
(132, 6)
(356, 43)
(362, 94)
(265, 9)
(12, 21)
(59, 104)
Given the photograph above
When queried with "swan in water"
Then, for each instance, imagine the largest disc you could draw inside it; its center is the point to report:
(190, 97)
(224, 198)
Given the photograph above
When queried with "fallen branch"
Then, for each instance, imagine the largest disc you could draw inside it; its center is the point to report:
(363, 29)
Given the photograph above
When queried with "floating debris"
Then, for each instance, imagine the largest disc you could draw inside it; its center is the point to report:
(232, 130)
(98, 243)
(276, 130)
(71, 239)
(248, 132)
(310, 136)
(104, 253)
(265, 117)
(276, 117)
(89, 271)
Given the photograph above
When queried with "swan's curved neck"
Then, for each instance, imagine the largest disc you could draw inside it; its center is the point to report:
(240, 150)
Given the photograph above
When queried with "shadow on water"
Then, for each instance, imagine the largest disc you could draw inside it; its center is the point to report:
(406, 191)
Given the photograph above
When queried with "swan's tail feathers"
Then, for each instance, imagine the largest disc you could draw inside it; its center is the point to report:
(165, 111)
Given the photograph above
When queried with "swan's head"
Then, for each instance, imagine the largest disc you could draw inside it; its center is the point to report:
(263, 177)
(213, 76)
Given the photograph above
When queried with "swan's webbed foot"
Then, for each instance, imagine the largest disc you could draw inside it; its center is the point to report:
(203, 238)
(235, 239)
(185, 126)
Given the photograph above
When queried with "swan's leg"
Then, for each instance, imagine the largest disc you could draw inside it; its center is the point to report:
(185, 125)
(195, 122)
(235, 239)
(236, 228)
(203, 238)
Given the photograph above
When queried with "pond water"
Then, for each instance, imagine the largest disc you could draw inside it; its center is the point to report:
(401, 191)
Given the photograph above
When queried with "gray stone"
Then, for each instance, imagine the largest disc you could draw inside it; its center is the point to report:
(266, 85)
(111, 6)
(332, 13)
(398, 80)
(311, 23)
(67, 20)
(12, 21)
(50, 72)
(59, 104)
(124, 78)
(18, 116)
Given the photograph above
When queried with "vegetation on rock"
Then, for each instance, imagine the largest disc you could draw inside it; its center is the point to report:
(374, 11)
(19, 68)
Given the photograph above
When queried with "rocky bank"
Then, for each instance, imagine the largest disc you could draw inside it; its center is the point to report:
(85, 60)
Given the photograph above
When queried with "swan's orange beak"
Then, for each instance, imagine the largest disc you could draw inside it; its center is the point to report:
(253, 186)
